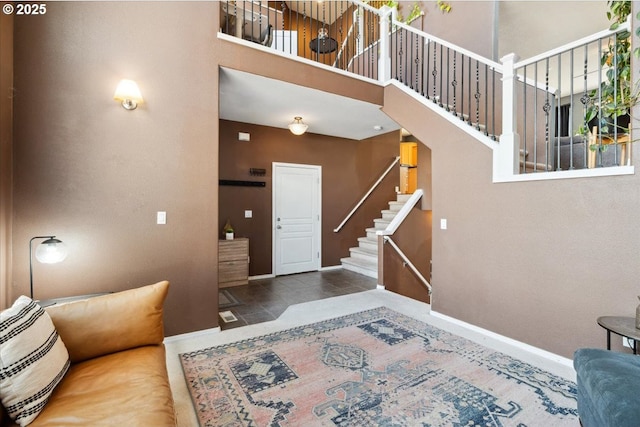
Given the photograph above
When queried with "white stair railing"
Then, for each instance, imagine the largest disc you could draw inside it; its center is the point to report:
(367, 194)
(386, 234)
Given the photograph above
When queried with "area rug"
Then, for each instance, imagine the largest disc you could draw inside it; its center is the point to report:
(226, 299)
(373, 368)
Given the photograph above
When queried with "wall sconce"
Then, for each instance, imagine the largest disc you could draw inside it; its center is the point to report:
(129, 94)
(50, 251)
(297, 127)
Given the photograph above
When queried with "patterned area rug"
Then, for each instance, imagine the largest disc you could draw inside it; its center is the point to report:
(374, 368)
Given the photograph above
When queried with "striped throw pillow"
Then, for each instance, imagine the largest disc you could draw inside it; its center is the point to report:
(33, 359)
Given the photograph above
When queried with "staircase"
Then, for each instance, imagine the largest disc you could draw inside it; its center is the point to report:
(363, 258)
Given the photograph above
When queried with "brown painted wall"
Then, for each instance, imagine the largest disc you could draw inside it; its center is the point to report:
(413, 238)
(95, 174)
(534, 261)
(6, 154)
(349, 168)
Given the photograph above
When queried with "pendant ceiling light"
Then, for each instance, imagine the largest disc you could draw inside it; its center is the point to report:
(297, 127)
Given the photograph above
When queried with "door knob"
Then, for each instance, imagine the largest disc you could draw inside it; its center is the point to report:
(278, 227)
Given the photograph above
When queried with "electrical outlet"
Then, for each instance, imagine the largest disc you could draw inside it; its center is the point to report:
(627, 342)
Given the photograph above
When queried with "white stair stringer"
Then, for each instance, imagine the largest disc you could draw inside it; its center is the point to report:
(363, 259)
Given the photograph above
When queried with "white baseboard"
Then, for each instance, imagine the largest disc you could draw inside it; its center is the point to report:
(331, 267)
(262, 276)
(507, 342)
(188, 335)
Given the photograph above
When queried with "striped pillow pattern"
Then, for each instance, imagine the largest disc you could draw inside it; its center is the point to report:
(33, 359)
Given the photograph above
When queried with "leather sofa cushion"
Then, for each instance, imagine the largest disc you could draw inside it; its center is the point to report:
(89, 327)
(129, 388)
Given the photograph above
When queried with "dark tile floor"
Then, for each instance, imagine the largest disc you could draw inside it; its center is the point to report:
(263, 300)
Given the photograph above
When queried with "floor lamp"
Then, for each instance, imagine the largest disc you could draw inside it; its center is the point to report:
(50, 251)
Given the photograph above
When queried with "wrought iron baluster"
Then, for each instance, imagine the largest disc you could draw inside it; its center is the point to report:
(477, 95)
(440, 91)
(371, 38)
(454, 82)
(434, 72)
(494, 132)
(462, 88)
(524, 123)
(417, 62)
(428, 62)
(422, 86)
(486, 100)
(401, 77)
(546, 107)
(448, 75)
(535, 115)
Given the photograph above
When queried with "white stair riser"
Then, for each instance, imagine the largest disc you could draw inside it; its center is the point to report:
(360, 270)
(395, 206)
(368, 244)
(364, 256)
(380, 224)
(388, 215)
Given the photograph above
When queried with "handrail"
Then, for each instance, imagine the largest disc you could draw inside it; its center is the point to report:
(429, 37)
(387, 239)
(578, 43)
(357, 206)
(402, 214)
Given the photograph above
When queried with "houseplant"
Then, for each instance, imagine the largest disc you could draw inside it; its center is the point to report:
(611, 103)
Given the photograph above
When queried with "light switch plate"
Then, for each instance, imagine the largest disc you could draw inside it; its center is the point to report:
(248, 214)
(443, 224)
(161, 217)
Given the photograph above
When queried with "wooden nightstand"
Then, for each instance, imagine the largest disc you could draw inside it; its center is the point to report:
(233, 262)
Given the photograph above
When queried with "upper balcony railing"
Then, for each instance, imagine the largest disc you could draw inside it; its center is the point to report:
(536, 108)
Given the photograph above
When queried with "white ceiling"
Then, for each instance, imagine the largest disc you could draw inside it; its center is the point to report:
(250, 98)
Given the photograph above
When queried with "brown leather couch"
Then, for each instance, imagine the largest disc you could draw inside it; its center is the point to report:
(118, 374)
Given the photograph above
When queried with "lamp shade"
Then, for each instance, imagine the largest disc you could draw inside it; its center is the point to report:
(297, 127)
(51, 251)
(128, 93)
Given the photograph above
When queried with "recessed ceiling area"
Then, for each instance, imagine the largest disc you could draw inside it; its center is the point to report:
(249, 98)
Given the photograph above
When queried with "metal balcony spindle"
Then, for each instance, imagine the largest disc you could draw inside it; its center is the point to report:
(494, 132)
(422, 87)
(571, 108)
(523, 148)
(428, 63)
(454, 82)
(417, 63)
(558, 111)
(477, 94)
(462, 88)
(434, 72)
(535, 114)
(600, 119)
(615, 97)
(440, 87)
(486, 100)
(469, 91)
(448, 107)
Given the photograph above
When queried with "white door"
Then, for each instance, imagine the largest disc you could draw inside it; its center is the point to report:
(296, 218)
